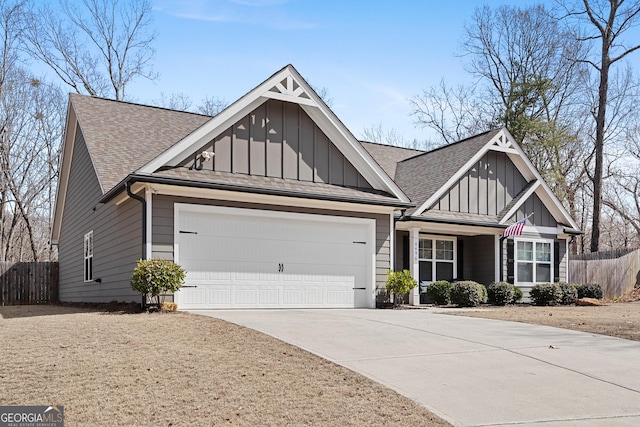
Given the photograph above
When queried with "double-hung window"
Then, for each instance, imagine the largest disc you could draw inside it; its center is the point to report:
(437, 258)
(88, 257)
(534, 261)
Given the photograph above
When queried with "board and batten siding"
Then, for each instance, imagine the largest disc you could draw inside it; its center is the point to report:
(541, 215)
(278, 139)
(162, 227)
(486, 189)
(117, 237)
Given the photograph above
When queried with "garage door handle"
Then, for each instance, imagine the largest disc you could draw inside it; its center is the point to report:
(360, 243)
(360, 289)
(188, 232)
(189, 286)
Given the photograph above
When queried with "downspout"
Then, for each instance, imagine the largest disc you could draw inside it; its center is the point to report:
(144, 225)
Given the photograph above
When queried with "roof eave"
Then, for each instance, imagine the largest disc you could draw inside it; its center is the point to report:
(450, 221)
(152, 179)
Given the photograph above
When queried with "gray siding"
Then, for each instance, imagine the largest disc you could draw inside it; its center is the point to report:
(117, 237)
(478, 259)
(564, 259)
(486, 189)
(541, 215)
(278, 139)
(162, 226)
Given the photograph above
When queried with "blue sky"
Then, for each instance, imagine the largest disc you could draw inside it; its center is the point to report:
(372, 56)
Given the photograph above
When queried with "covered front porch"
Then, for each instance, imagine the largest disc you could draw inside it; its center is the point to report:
(433, 251)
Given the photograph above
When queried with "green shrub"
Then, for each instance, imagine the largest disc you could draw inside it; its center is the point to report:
(440, 292)
(569, 293)
(590, 291)
(517, 294)
(500, 293)
(546, 294)
(468, 293)
(157, 276)
(399, 283)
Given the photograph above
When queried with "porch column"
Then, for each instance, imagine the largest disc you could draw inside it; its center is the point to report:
(414, 264)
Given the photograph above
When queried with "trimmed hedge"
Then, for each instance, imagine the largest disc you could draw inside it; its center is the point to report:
(500, 293)
(590, 291)
(468, 293)
(440, 292)
(569, 293)
(546, 294)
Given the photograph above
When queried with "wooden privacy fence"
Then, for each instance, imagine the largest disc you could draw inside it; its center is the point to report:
(28, 283)
(617, 272)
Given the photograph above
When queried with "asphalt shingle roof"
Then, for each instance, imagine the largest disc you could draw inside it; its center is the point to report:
(122, 137)
(388, 156)
(290, 186)
(419, 176)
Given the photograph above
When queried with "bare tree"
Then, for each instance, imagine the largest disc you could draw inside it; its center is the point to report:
(97, 47)
(211, 105)
(527, 79)
(454, 113)
(606, 23)
(175, 101)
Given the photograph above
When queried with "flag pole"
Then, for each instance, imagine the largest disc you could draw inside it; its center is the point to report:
(501, 243)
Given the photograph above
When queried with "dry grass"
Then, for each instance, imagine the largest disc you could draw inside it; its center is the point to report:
(176, 369)
(620, 320)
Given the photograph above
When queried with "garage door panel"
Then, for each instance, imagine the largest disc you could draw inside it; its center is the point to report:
(240, 260)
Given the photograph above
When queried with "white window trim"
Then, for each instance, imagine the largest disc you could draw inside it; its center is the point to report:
(534, 262)
(433, 238)
(87, 256)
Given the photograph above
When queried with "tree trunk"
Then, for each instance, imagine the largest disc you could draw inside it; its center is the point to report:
(599, 145)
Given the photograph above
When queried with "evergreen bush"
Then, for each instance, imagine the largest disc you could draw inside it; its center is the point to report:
(468, 293)
(500, 293)
(440, 292)
(546, 294)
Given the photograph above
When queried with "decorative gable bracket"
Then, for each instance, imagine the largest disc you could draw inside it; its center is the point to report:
(289, 90)
(502, 143)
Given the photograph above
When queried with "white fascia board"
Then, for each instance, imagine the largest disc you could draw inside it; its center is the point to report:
(530, 229)
(448, 229)
(216, 125)
(459, 173)
(348, 144)
(522, 200)
(65, 170)
(203, 134)
(351, 148)
(267, 199)
(544, 192)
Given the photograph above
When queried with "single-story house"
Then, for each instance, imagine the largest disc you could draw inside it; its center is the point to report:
(274, 203)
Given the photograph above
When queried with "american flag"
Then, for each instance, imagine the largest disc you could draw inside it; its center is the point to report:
(515, 229)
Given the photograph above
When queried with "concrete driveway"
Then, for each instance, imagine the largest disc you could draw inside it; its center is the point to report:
(471, 372)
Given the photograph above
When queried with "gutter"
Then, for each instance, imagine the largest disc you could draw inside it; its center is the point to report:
(450, 221)
(150, 179)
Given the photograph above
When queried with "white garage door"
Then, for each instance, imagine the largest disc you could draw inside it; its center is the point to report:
(244, 258)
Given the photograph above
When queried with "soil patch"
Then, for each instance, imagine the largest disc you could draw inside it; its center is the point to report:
(114, 366)
(620, 320)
